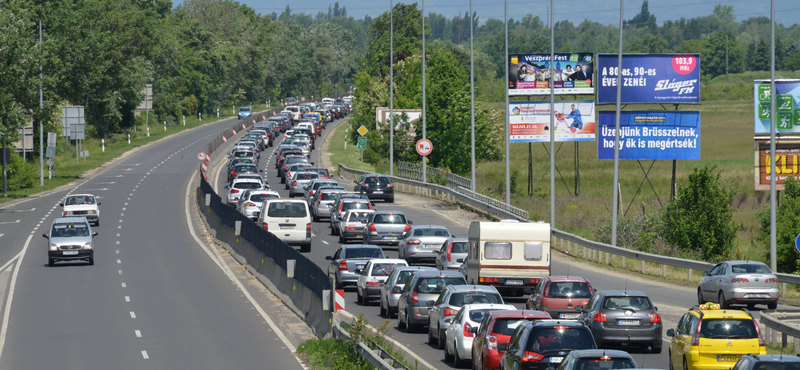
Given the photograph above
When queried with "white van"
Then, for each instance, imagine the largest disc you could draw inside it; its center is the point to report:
(297, 112)
(289, 220)
(511, 256)
(327, 101)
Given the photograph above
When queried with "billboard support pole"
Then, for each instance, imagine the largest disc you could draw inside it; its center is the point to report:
(552, 116)
(508, 128)
(424, 126)
(391, 88)
(530, 169)
(615, 184)
(472, 92)
(773, 260)
(577, 169)
(673, 189)
(41, 110)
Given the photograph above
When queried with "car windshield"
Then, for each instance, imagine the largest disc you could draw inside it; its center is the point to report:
(69, 229)
(358, 217)
(79, 199)
(321, 171)
(750, 269)
(507, 326)
(460, 299)
(603, 363)
(364, 253)
(262, 197)
(384, 269)
(247, 185)
(627, 303)
(567, 289)
(552, 339)
(355, 205)
(243, 154)
(435, 285)
(459, 247)
(286, 209)
(298, 167)
(431, 232)
(728, 329)
(389, 218)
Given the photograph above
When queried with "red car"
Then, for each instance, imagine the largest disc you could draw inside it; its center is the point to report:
(559, 295)
(496, 329)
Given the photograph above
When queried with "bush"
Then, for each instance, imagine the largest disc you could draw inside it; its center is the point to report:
(21, 174)
(700, 220)
(189, 106)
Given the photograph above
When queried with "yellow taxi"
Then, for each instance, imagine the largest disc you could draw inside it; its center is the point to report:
(710, 338)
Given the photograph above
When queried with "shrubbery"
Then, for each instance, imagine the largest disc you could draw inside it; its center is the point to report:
(21, 174)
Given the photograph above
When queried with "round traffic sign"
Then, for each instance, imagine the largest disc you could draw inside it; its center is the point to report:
(201, 156)
(424, 147)
(797, 243)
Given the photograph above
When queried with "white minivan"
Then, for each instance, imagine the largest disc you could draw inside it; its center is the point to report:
(289, 220)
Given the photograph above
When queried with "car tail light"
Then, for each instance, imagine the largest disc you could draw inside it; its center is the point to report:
(450, 311)
(372, 228)
(467, 334)
(349, 227)
(654, 317)
(234, 191)
(311, 192)
(739, 280)
(696, 335)
(758, 331)
(396, 289)
(249, 204)
(373, 283)
(364, 185)
(449, 250)
(294, 183)
(414, 242)
(561, 327)
(308, 230)
(546, 290)
(414, 297)
(343, 266)
(487, 280)
(389, 185)
(771, 280)
(408, 227)
(491, 342)
(265, 226)
(600, 317)
(590, 286)
(234, 174)
(531, 357)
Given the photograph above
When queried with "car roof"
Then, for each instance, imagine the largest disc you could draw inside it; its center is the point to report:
(357, 246)
(743, 262)
(567, 279)
(714, 311)
(482, 306)
(554, 322)
(389, 260)
(623, 293)
(774, 358)
(417, 268)
(62, 220)
(520, 314)
(472, 287)
(428, 226)
(246, 179)
(600, 353)
(428, 273)
(261, 191)
(386, 212)
(459, 240)
(79, 195)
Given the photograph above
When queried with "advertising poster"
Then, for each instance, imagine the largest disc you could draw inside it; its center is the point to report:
(787, 163)
(530, 121)
(649, 78)
(787, 106)
(650, 135)
(529, 74)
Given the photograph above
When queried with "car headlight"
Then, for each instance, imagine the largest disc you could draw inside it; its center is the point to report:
(87, 246)
(53, 247)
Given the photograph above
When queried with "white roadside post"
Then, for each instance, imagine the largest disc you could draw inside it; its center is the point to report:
(165, 125)
(184, 120)
(129, 138)
(103, 141)
(217, 112)
(199, 116)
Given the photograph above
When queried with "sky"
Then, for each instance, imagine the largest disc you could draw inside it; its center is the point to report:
(787, 12)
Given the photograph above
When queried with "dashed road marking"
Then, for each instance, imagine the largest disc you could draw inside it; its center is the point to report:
(133, 315)
(144, 355)
(124, 285)
(127, 299)
(138, 333)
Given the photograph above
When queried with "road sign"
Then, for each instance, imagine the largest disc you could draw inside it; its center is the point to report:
(208, 158)
(797, 243)
(424, 147)
(204, 167)
(224, 139)
(362, 143)
(362, 130)
(201, 156)
(338, 299)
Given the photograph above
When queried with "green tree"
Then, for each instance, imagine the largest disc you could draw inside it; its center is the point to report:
(722, 55)
(787, 224)
(700, 220)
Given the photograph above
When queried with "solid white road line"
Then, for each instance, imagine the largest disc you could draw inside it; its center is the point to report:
(7, 311)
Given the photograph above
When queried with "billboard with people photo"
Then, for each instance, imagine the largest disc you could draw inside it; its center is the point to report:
(529, 74)
(530, 121)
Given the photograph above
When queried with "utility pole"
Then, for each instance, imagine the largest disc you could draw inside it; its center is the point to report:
(41, 112)
(726, 54)
(552, 117)
(614, 185)
(424, 126)
(773, 259)
(508, 129)
(472, 94)
(391, 88)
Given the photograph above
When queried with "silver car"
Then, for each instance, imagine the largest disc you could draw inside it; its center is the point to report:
(372, 277)
(251, 201)
(299, 182)
(386, 228)
(344, 203)
(352, 224)
(452, 254)
(315, 184)
(739, 282)
(294, 169)
(418, 295)
(70, 239)
(463, 327)
(323, 201)
(390, 290)
(450, 301)
(421, 243)
(349, 258)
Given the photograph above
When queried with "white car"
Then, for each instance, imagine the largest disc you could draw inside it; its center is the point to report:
(289, 220)
(238, 186)
(82, 205)
(372, 277)
(462, 329)
(251, 201)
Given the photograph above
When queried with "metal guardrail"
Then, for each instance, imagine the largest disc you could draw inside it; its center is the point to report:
(370, 351)
(774, 326)
(521, 213)
(413, 171)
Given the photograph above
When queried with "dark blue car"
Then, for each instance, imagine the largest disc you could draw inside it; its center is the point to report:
(244, 112)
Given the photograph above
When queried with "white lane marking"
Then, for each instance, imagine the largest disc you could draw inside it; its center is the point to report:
(120, 272)
(9, 222)
(123, 208)
(119, 261)
(324, 242)
(127, 299)
(124, 285)
(126, 203)
(144, 355)
(133, 315)
(117, 251)
(117, 242)
(117, 235)
(7, 311)
(120, 221)
(122, 214)
(138, 333)
(119, 227)
(1, 235)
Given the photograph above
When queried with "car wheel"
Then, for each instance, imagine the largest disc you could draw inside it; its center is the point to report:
(410, 328)
(91, 261)
(721, 299)
(51, 262)
(457, 360)
(359, 297)
(430, 338)
(699, 296)
(97, 223)
(337, 284)
(400, 323)
(305, 248)
(390, 312)
(751, 306)
(390, 200)
(669, 356)
(655, 348)
(447, 356)
(442, 338)
(772, 306)
(342, 240)
(382, 310)
(315, 218)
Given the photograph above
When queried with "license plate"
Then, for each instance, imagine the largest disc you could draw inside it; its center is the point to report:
(377, 192)
(389, 238)
(628, 322)
(756, 295)
(556, 360)
(70, 253)
(728, 358)
(517, 282)
(432, 246)
(287, 226)
(568, 315)
(359, 267)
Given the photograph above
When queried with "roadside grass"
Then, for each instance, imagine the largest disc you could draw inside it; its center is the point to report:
(69, 169)
(350, 156)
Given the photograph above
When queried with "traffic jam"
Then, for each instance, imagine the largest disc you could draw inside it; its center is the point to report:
(487, 299)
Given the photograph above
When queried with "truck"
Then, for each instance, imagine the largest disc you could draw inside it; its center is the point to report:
(511, 256)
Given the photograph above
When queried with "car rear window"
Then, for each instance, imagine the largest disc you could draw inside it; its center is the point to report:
(435, 285)
(358, 217)
(507, 326)
(750, 269)
(329, 196)
(478, 315)
(567, 289)
(262, 197)
(77, 200)
(377, 180)
(459, 247)
(246, 169)
(627, 303)
(286, 209)
(763, 365)
(306, 176)
(728, 329)
(243, 154)
(384, 269)
(402, 278)
(70, 229)
(355, 205)
(545, 340)
(298, 167)
(363, 253)
(389, 219)
(247, 185)
(460, 299)
(600, 363)
(431, 232)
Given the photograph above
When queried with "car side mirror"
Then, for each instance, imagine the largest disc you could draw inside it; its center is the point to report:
(45, 236)
(358, 271)
(98, 203)
(94, 233)
(502, 347)
(410, 222)
(671, 332)
(655, 308)
(452, 236)
(363, 221)
(579, 308)
(60, 204)
(355, 181)
(328, 258)
(448, 320)
(226, 186)
(473, 330)
(705, 273)
(430, 303)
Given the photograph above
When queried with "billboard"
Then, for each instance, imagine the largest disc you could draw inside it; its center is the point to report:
(529, 74)
(530, 121)
(649, 78)
(650, 135)
(787, 106)
(787, 163)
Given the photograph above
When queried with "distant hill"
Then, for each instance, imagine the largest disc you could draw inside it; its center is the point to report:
(737, 86)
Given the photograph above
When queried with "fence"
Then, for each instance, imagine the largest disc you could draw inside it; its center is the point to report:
(775, 327)
(413, 171)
